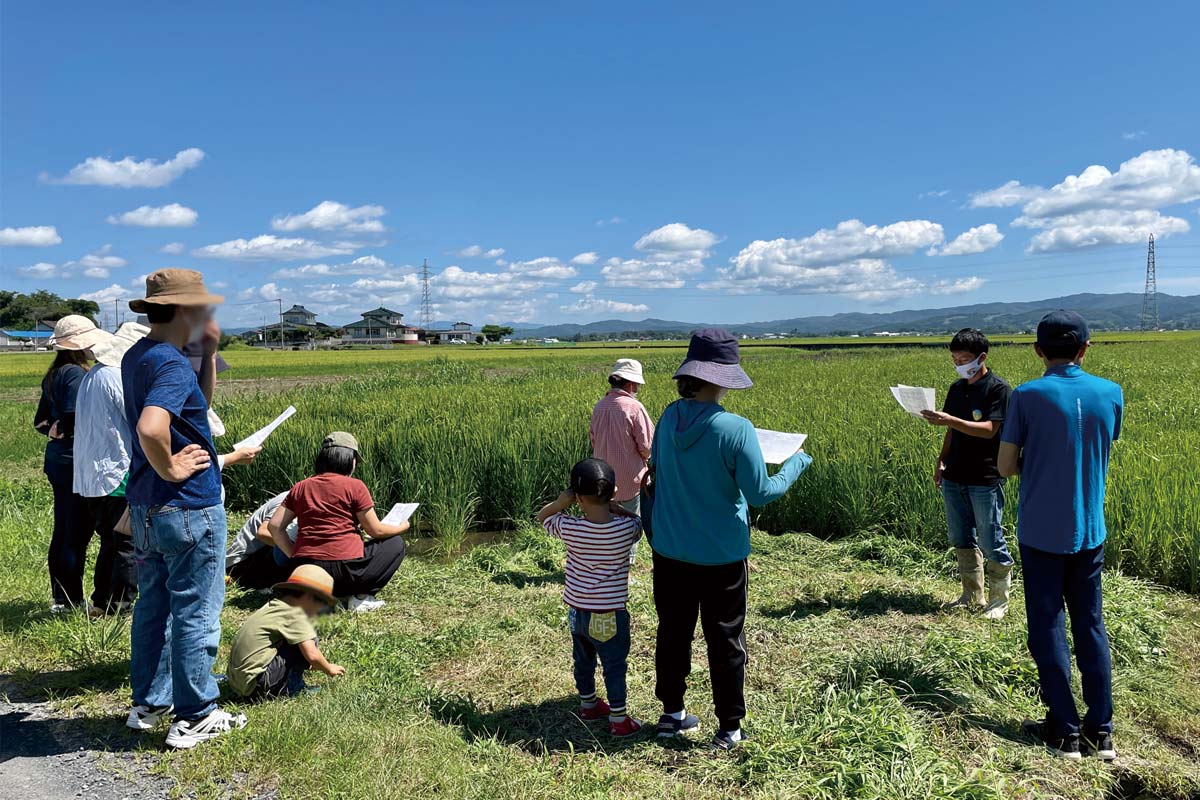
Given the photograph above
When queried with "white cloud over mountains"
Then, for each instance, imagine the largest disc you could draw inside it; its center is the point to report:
(586, 259)
(269, 247)
(672, 254)
(129, 173)
(849, 258)
(329, 215)
(596, 305)
(171, 215)
(1099, 207)
(32, 236)
(979, 239)
(475, 251)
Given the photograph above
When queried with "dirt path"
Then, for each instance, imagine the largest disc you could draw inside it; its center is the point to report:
(46, 756)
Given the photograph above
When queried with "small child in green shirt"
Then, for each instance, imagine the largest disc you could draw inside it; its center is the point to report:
(278, 643)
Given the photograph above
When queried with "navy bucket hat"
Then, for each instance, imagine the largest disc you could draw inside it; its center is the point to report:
(713, 357)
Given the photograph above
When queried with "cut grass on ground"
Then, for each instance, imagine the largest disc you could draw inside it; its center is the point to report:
(461, 686)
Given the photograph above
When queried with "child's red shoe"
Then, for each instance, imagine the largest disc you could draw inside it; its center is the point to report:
(626, 727)
(598, 711)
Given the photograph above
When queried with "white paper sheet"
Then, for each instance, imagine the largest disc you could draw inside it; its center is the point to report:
(257, 438)
(779, 447)
(914, 399)
(401, 512)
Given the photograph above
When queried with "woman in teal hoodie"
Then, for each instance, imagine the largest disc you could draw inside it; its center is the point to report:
(708, 471)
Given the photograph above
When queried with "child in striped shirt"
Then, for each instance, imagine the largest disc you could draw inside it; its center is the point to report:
(598, 547)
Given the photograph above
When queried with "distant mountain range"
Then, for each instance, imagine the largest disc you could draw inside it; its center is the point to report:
(1102, 311)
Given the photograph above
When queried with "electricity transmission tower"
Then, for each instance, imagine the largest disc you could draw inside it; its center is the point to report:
(1150, 298)
(426, 301)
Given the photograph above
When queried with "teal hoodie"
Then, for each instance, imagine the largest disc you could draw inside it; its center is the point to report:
(708, 470)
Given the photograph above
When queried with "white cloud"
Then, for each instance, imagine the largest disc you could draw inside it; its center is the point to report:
(1098, 228)
(586, 259)
(1099, 207)
(172, 248)
(1129, 136)
(475, 250)
(544, 267)
(600, 223)
(677, 241)
(102, 258)
(332, 216)
(129, 173)
(584, 287)
(958, 286)
(171, 215)
(363, 265)
(933, 193)
(979, 239)
(593, 305)
(1009, 194)
(107, 294)
(96, 272)
(42, 269)
(847, 259)
(273, 248)
(638, 273)
(33, 236)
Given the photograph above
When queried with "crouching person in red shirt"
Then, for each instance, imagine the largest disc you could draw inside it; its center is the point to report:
(331, 508)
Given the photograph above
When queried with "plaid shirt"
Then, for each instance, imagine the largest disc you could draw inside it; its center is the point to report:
(621, 433)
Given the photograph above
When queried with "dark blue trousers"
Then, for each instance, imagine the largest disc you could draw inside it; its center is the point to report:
(1055, 582)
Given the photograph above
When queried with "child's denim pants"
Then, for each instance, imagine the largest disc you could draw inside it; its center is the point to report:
(603, 635)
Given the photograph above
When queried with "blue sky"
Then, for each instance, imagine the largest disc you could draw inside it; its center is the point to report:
(682, 161)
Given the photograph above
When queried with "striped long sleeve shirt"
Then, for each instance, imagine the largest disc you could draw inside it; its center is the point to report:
(597, 559)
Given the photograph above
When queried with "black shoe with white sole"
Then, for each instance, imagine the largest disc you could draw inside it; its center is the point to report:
(1100, 746)
(669, 727)
(1061, 747)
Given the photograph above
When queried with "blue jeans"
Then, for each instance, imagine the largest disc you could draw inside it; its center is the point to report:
(603, 635)
(1052, 580)
(973, 517)
(177, 620)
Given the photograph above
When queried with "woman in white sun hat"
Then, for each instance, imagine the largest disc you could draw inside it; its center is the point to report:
(621, 431)
(103, 443)
(73, 340)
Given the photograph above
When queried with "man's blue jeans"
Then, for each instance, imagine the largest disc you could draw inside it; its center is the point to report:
(1050, 581)
(180, 556)
(974, 516)
(603, 635)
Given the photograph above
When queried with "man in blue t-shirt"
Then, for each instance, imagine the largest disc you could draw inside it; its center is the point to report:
(176, 513)
(1057, 437)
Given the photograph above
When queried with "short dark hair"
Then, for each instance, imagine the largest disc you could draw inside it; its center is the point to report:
(593, 477)
(970, 340)
(617, 382)
(1059, 351)
(156, 314)
(689, 386)
(335, 459)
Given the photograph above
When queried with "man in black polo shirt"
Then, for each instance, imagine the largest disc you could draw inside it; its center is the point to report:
(968, 476)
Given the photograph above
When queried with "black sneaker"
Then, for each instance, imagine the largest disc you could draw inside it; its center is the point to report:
(1061, 747)
(724, 740)
(1101, 746)
(668, 727)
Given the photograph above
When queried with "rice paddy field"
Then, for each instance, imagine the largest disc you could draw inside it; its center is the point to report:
(859, 686)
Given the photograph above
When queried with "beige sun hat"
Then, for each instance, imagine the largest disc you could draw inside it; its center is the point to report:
(312, 579)
(77, 332)
(175, 287)
(111, 352)
(628, 369)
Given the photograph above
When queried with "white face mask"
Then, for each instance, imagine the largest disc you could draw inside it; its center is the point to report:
(970, 370)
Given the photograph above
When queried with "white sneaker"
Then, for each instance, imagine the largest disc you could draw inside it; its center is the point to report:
(144, 718)
(365, 602)
(59, 608)
(185, 735)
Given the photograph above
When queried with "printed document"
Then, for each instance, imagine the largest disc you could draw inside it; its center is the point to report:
(401, 512)
(779, 447)
(914, 399)
(257, 438)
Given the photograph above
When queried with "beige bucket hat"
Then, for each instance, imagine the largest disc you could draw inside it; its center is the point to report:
(111, 352)
(175, 287)
(77, 332)
(312, 579)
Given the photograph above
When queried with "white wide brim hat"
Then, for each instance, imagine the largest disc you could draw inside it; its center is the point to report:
(77, 332)
(111, 351)
(628, 369)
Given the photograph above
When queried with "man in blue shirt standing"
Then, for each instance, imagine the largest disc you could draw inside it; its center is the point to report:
(1057, 437)
(176, 513)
